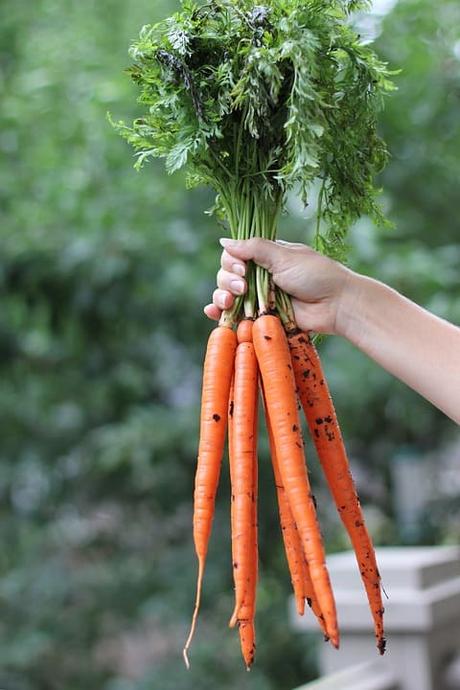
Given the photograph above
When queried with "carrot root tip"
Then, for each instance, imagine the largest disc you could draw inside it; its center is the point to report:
(195, 612)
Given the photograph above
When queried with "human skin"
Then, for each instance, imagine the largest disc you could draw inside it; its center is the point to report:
(412, 344)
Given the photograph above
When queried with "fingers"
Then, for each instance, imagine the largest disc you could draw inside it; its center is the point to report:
(222, 299)
(262, 252)
(232, 264)
(231, 282)
(213, 312)
(230, 278)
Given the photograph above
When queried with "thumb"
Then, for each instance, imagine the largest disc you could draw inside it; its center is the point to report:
(262, 252)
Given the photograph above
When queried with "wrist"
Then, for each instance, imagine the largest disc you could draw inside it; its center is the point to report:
(351, 309)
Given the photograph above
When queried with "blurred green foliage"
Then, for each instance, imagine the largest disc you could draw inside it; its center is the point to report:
(102, 276)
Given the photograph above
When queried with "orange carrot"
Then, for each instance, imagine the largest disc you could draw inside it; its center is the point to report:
(247, 612)
(276, 369)
(292, 543)
(231, 408)
(312, 600)
(243, 472)
(217, 377)
(247, 630)
(324, 428)
(298, 566)
(244, 331)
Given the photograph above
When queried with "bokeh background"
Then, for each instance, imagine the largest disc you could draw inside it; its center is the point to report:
(103, 274)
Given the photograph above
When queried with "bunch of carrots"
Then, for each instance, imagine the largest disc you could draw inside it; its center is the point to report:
(258, 101)
(265, 357)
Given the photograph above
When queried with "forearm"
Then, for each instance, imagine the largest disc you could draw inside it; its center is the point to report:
(412, 344)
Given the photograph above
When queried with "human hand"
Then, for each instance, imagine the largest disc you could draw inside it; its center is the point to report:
(319, 286)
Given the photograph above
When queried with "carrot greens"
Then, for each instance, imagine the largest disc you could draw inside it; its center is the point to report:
(257, 100)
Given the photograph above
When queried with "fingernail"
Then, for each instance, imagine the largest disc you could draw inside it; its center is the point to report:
(239, 269)
(227, 242)
(237, 286)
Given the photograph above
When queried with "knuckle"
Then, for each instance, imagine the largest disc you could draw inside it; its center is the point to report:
(255, 243)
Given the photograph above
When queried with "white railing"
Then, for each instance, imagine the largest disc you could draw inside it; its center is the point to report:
(422, 621)
(367, 676)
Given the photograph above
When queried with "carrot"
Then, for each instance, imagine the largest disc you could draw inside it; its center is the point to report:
(292, 543)
(231, 407)
(246, 616)
(248, 611)
(231, 458)
(298, 566)
(244, 331)
(243, 472)
(312, 600)
(274, 360)
(217, 377)
(324, 428)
